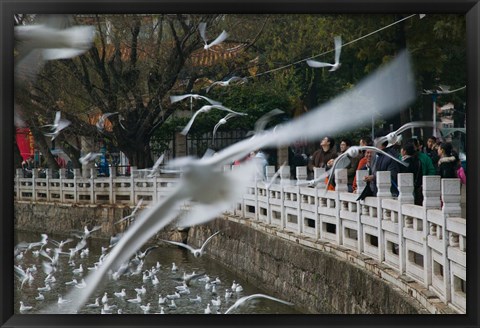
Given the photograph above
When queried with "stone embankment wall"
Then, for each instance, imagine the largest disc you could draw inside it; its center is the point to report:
(317, 282)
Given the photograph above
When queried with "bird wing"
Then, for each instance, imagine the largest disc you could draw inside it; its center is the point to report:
(213, 102)
(61, 53)
(190, 248)
(316, 64)
(189, 124)
(384, 153)
(340, 162)
(208, 239)
(228, 110)
(378, 94)
(158, 162)
(338, 48)
(243, 299)
(219, 39)
(264, 119)
(212, 85)
(174, 99)
(147, 224)
(201, 28)
(276, 175)
(416, 124)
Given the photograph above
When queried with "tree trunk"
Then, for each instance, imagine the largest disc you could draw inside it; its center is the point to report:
(138, 155)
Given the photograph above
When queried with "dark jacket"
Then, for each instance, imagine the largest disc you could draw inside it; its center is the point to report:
(385, 163)
(415, 167)
(447, 167)
(320, 158)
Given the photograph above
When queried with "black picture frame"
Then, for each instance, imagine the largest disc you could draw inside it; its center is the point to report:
(471, 8)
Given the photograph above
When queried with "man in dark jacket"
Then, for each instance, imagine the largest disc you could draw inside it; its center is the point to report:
(324, 156)
(385, 163)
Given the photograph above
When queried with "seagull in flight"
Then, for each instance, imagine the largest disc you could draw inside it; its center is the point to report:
(393, 137)
(222, 37)
(226, 83)
(58, 125)
(155, 167)
(343, 160)
(89, 157)
(48, 41)
(336, 65)
(242, 300)
(206, 109)
(221, 122)
(174, 99)
(132, 214)
(197, 252)
(384, 92)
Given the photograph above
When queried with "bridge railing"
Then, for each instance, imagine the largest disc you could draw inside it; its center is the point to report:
(424, 243)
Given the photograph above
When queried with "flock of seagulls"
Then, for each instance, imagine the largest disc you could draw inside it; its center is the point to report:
(161, 289)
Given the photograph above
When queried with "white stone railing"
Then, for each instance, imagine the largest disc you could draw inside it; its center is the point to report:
(425, 243)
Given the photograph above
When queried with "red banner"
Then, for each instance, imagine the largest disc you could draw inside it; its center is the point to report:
(25, 142)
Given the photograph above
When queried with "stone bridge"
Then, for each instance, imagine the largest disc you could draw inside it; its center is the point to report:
(417, 250)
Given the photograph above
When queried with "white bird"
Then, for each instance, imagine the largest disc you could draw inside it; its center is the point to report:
(197, 252)
(136, 300)
(47, 288)
(196, 299)
(228, 293)
(155, 280)
(161, 300)
(172, 304)
(222, 37)
(58, 125)
(262, 122)
(73, 282)
(141, 290)
(79, 270)
(384, 92)
(239, 80)
(42, 42)
(120, 294)
(242, 300)
(161, 310)
(173, 296)
(174, 99)
(105, 298)
(239, 288)
(61, 300)
(89, 157)
(206, 109)
(154, 168)
(132, 214)
(336, 65)
(101, 121)
(82, 284)
(174, 267)
(94, 305)
(343, 160)
(393, 136)
(24, 307)
(207, 310)
(234, 286)
(145, 308)
(61, 243)
(221, 122)
(40, 297)
(216, 302)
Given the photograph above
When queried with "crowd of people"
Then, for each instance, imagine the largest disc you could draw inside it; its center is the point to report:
(437, 158)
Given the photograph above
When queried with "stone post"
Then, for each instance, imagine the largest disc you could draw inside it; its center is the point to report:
(301, 172)
(383, 184)
(62, 174)
(341, 180)
(317, 173)
(18, 176)
(405, 188)
(383, 181)
(285, 175)
(360, 174)
(269, 173)
(431, 192)
(451, 197)
(48, 176)
(113, 174)
(76, 175)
